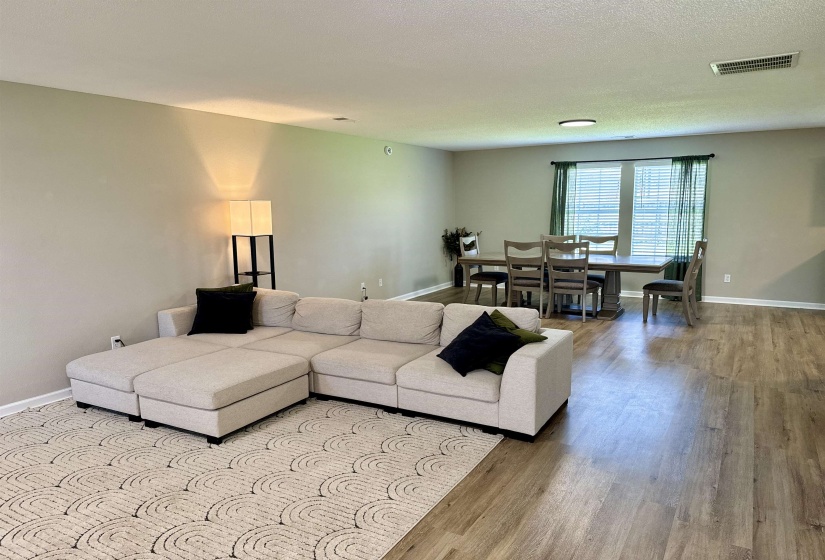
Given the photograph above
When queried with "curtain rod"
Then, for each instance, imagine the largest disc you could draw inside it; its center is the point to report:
(632, 159)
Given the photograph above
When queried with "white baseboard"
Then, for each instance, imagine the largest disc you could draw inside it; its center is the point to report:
(747, 301)
(7, 409)
(632, 294)
(764, 302)
(423, 292)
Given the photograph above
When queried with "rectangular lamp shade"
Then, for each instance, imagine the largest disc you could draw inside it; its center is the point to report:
(250, 217)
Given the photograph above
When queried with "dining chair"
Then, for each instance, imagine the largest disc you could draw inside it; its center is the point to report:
(601, 245)
(525, 269)
(469, 247)
(686, 288)
(567, 264)
(558, 238)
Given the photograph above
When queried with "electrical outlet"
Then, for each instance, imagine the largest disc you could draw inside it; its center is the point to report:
(117, 342)
(363, 285)
(380, 282)
(727, 278)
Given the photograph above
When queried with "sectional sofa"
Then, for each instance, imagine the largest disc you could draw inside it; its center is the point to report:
(379, 352)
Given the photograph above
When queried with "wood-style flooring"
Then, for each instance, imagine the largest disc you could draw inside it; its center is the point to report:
(678, 442)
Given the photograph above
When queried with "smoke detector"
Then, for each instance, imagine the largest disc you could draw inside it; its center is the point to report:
(742, 65)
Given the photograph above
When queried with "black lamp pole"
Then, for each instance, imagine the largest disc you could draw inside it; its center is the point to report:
(253, 251)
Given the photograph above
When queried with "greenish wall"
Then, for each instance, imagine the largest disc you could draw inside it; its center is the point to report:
(765, 213)
(111, 210)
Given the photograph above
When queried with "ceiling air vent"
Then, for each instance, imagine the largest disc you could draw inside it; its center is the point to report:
(740, 66)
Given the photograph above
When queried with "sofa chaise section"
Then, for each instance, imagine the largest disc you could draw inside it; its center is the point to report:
(535, 384)
(106, 379)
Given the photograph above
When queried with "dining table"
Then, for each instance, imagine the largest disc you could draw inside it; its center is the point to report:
(611, 265)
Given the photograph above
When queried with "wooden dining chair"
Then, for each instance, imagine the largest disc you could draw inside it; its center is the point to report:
(558, 238)
(601, 245)
(525, 269)
(568, 274)
(469, 247)
(686, 288)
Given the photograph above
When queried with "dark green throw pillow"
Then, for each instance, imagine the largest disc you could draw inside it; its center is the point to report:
(525, 337)
(233, 289)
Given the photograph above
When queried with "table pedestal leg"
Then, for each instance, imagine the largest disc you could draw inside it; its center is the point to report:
(612, 308)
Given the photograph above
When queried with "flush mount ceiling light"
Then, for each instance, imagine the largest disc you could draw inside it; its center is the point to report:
(578, 122)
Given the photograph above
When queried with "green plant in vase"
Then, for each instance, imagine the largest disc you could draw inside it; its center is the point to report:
(452, 246)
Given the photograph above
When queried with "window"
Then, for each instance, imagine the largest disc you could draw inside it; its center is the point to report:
(593, 201)
(651, 201)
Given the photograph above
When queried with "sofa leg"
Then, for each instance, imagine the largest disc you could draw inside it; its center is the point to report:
(134, 418)
(150, 423)
(212, 440)
(82, 404)
(406, 413)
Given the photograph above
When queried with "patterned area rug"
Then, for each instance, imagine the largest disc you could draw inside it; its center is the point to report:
(325, 480)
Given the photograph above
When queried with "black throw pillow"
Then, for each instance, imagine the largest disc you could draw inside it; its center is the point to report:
(478, 344)
(223, 312)
(234, 288)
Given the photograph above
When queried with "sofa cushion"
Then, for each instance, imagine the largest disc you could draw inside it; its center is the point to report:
(327, 316)
(236, 340)
(223, 312)
(479, 344)
(117, 369)
(273, 308)
(368, 360)
(498, 364)
(431, 374)
(303, 344)
(233, 288)
(417, 322)
(219, 379)
(458, 316)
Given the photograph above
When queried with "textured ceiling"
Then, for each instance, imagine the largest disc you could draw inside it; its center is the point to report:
(443, 73)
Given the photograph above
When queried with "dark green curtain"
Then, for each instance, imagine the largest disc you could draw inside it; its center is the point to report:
(686, 214)
(565, 177)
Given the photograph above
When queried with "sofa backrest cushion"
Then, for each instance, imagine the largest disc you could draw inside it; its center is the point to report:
(327, 316)
(273, 308)
(458, 316)
(417, 322)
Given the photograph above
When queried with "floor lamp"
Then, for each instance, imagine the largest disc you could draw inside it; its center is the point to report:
(252, 219)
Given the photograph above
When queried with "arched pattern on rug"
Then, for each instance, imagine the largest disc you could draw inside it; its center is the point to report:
(324, 480)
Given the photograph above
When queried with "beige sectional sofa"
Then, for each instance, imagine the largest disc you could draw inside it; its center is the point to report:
(379, 352)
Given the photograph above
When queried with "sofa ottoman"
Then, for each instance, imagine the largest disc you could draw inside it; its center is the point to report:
(106, 379)
(221, 392)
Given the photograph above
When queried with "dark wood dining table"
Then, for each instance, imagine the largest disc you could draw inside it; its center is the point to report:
(612, 266)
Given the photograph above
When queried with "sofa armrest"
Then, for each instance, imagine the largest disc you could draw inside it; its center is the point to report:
(177, 321)
(536, 383)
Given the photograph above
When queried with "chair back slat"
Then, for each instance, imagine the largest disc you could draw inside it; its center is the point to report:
(602, 244)
(521, 265)
(558, 238)
(569, 269)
